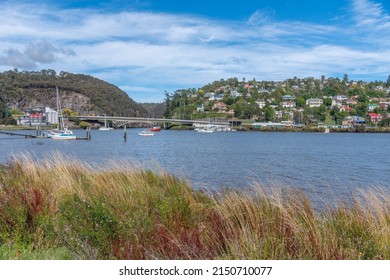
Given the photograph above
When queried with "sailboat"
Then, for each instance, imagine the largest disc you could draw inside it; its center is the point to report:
(105, 127)
(62, 132)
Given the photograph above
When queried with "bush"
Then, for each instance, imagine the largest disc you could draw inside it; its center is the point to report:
(8, 121)
(64, 209)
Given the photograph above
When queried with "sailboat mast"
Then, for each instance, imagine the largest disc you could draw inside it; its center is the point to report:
(60, 118)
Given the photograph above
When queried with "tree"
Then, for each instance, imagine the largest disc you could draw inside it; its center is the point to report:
(269, 114)
(328, 101)
(300, 101)
(298, 118)
(4, 111)
(388, 81)
(384, 123)
(345, 79)
(9, 121)
(363, 98)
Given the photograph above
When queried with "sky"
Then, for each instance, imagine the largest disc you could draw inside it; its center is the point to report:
(147, 47)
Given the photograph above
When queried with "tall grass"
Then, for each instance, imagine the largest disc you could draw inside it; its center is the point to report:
(62, 209)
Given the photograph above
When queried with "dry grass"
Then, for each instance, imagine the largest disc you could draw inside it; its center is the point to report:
(124, 212)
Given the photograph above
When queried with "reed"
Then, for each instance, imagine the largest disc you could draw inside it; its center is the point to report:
(58, 208)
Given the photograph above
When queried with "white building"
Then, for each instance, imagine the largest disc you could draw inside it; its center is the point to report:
(261, 103)
(288, 104)
(51, 116)
(314, 102)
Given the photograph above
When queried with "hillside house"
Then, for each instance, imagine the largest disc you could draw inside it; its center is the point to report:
(336, 103)
(353, 121)
(314, 102)
(374, 117)
(219, 107)
(371, 107)
(235, 94)
(288, 104)
(261, 103)
(209, 95)
(384, 105)
(200, 108)
(288, 97)
(345, 108)
(340, 98)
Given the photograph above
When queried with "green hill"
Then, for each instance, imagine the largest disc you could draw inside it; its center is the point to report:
(83, 94)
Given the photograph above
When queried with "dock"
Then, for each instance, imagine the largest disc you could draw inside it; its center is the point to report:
(21, 134)
(39, 134)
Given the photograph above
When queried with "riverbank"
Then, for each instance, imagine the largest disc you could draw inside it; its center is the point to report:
(63, 209)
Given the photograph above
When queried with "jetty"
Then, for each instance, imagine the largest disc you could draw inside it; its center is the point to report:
(21, 134)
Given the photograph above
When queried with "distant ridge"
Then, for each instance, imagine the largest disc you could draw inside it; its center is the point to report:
(83, 94)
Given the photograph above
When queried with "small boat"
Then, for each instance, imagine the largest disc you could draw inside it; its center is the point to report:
(155, 129)
(205, 130)
(62, 132)
(146, 133)
(326, 130)
(105, 127)
(63, 135)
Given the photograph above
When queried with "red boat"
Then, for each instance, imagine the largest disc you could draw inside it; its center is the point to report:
(155, 129)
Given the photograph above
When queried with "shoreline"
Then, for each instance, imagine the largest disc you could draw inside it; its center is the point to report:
(245, 128)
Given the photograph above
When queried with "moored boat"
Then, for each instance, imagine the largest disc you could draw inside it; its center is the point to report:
(62, 132)
(63, 135)
(105, 127)
(155, 129)
(146, 133)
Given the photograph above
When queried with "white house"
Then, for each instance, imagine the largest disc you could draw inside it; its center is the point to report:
(340, 98)
(200, 108)
(261, 103)
(314, 102)
(336, 103)
(235, 94)
(288, 104)
(210, 95)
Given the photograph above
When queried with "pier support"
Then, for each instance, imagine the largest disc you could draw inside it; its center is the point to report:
(88, 133)
(124, 133)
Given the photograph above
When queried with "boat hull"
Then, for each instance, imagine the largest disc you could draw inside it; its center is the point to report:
(68, 135)
(146, 133)
(155, 129)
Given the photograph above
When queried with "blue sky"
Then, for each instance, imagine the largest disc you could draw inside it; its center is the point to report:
(148, 47)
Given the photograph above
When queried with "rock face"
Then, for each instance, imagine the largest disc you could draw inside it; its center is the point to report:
(81, 93)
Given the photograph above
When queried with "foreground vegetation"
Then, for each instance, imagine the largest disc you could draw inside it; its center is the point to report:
(62, 209)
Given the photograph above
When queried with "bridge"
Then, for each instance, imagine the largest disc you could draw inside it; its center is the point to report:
(123, 120)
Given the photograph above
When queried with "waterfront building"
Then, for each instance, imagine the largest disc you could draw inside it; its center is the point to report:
(51, 116)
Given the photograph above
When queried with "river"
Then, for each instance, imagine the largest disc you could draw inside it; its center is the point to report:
(319, 163)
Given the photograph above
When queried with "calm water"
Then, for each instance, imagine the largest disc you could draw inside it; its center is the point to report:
(319, 163)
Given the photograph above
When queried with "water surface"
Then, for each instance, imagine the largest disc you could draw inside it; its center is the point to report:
(319, 163)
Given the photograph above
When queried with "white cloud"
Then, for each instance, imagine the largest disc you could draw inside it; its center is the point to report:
(370, 14)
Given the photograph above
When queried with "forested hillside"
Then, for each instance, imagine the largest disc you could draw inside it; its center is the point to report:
(83, 94)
